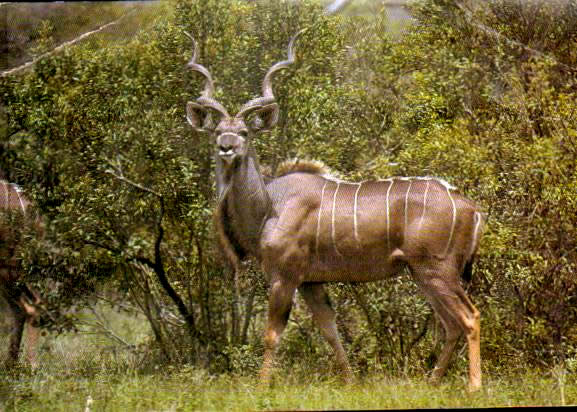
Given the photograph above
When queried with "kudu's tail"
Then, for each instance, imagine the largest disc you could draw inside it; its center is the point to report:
(479, 221)
(468, 271)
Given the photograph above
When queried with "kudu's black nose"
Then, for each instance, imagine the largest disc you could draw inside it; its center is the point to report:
(225, 148)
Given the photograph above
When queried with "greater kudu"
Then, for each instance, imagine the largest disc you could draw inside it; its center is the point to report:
(21, 300)
(306, 229)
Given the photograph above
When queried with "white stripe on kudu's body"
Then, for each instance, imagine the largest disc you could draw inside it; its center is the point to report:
(407, 207)
(478, 223)
(333, 219)
(453, 222)
(20, 200)
(376, 228)
(388, 217)
(355, 211)
(424, 207)
(7, 192)
(319, 218)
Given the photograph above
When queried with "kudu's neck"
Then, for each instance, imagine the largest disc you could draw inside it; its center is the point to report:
(247, 201)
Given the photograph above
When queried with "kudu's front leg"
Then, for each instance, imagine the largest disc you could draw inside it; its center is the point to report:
(279, 307)
(324, 316)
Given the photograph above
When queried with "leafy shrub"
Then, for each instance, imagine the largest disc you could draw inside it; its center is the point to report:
(483, 97)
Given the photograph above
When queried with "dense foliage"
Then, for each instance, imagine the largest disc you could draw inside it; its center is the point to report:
(482, 96)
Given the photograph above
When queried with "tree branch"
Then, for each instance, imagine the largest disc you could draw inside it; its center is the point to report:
(117, 173)
(64, 45)
(494, 33)
(157, 265)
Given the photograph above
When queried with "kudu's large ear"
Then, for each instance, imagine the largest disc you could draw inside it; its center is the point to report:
(264, 118)
(199, 117)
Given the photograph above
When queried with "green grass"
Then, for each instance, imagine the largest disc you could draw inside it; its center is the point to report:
(187, 389)
(92, 368)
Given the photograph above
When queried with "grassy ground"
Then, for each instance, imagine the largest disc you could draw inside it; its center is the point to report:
(99, 370)
(187, 389)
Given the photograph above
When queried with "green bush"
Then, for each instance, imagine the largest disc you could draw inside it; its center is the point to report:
(482, 97)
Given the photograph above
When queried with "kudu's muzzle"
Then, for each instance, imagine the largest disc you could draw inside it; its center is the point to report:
(230, 145)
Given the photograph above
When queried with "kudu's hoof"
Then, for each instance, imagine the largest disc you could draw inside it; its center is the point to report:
(434, 380)
(348, 378)
(474, 387)
(264, 381)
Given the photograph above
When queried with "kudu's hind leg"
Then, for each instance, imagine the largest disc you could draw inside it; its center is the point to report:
(453, 332)
(32, 332)
(279, 307)
(18, 319)
(457, 314)
(324, 316)
(32, 335)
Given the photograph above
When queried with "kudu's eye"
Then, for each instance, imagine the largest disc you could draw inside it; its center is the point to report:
(243, 133)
